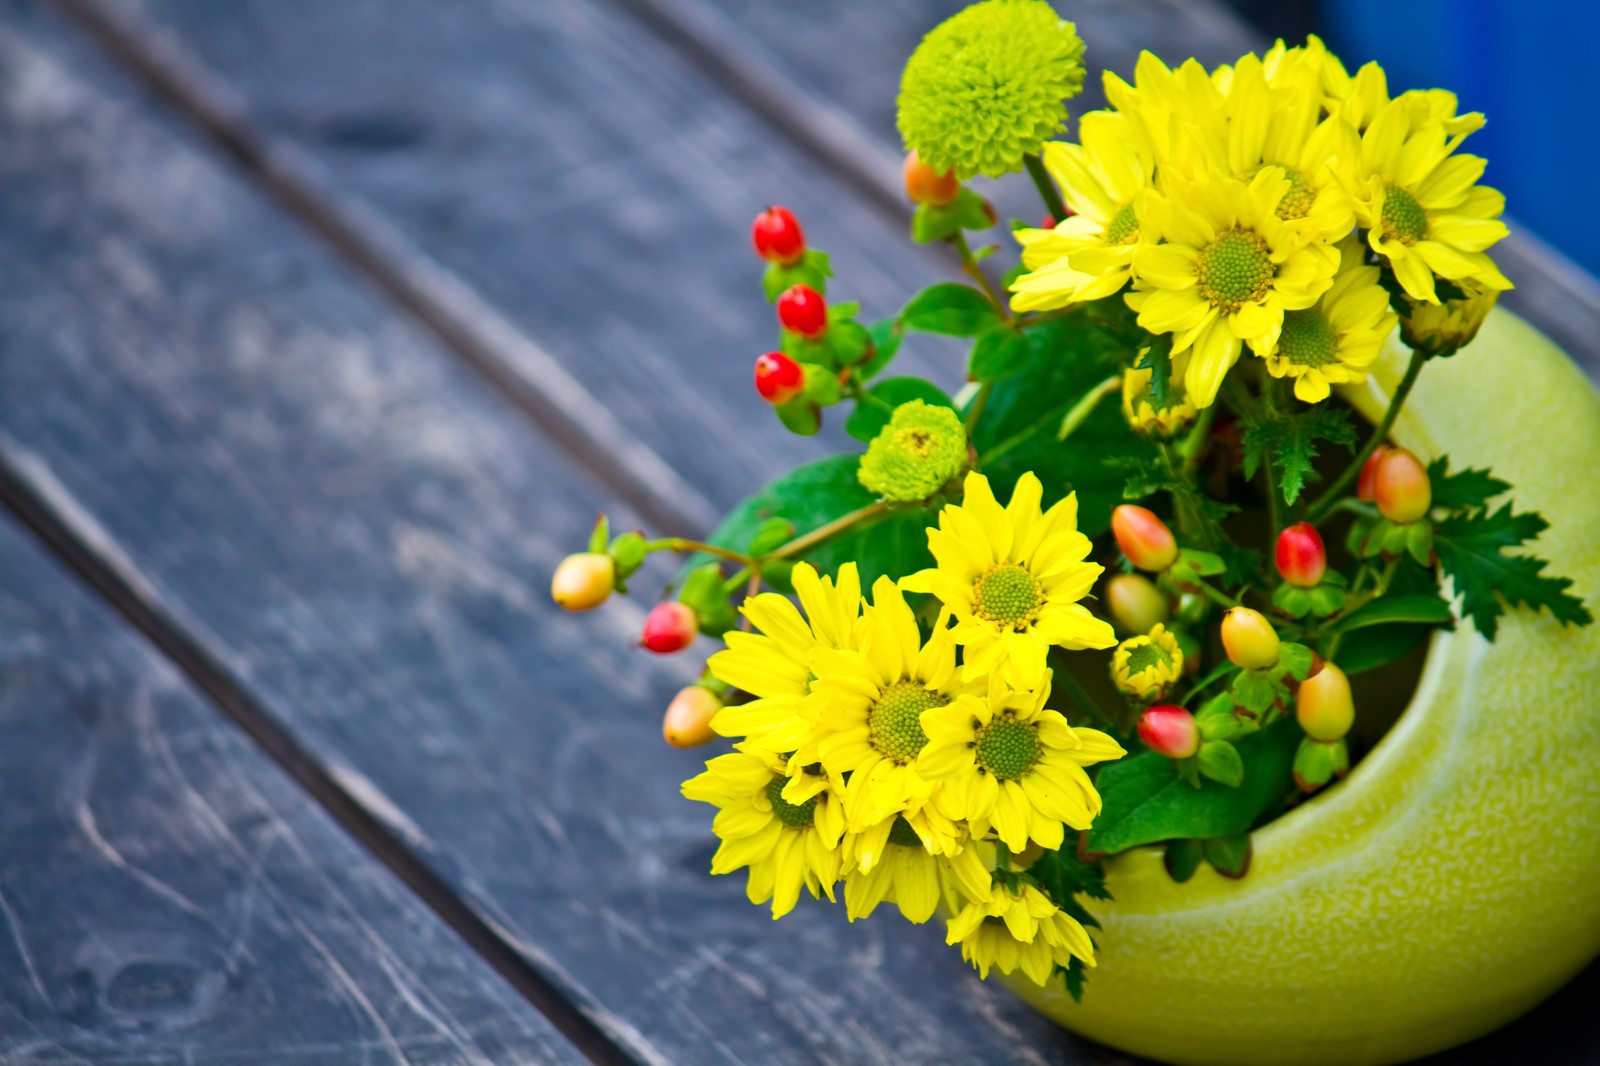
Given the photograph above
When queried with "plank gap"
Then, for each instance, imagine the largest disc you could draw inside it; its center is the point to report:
(530, 377)
(114, 579)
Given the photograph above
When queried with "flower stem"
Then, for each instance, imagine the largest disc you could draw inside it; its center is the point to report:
(979, 401)
(806, 541)
(969, 264)
(1085, 406)
(1326, 501)
(1047, 188)
(685, 545)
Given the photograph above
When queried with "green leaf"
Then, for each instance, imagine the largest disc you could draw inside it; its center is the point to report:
(955, 310)
(772, 534)
(1465, 490)
(1255, 690)
(1219, 760)
(1294, 660)
(818, 261)
(885, 334)
(1157, 359)
(1291, 440)
(778, 278)
(1183, 858)
(999, 353)
(1145, 800)
(843, 311)
(1066, 358)
(848, 342)
(1216, 719)
(934, 222)
(1370, 648)
(821, 385)
(1230, 855)
(1422, 608)
(868, 419)
(895, 543)
(972, 211)
(1472, 550)
(800, 416)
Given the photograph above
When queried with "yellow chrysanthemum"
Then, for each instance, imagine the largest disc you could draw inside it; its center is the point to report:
(1161, 102)
(1268, 126)
(1228, 272)
(1012, 577)
(1419, 202)
(896, 861)
(1447, 326)
(866, 705)
(773, 664)
(1335, 341)
(1147, 666)
(1140, 410)
(1011, 763)
(1019, 931)
(787, 845)
(1090, 254)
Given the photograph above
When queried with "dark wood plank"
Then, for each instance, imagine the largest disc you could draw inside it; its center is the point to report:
(836, 67)
(167, 895)
(361, 529)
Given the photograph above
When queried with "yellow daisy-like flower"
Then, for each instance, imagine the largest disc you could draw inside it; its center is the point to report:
(1335, 341)
(1011, 763)
(1090, 254)
(787, 845)
(1420, 203)
(1012, 577)
(1147, 666)
(1139, 406)
(1229, 271)
(1449, 325)
(773, 664)
(1028, 933)
(1162, 102)
(866, 706)
(895, 860)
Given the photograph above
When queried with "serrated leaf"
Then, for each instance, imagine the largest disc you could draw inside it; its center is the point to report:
(951, 309)
(1469, 490)
(1157, 358)
(1472, 550)
(1145, 800)
(998, 353)
(1291, 440)
(868, 419)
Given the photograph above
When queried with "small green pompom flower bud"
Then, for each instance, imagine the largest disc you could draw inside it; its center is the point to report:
(985, 88)
(1136, 604)
(922, 449)
(1143, 538)
(583, 581)
(1324, 706)
(1401, 487)
(1249, 639)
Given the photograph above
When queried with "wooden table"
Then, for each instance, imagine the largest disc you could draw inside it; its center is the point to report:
(325, 328)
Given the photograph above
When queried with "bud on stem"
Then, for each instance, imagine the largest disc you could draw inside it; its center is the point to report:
(1169, 730)
(1323, 704)
(670, 627)
(1136, 604)
(583, 581)
(1301, 558)
(1249, 639)
(1401, 487)
(1143, 538)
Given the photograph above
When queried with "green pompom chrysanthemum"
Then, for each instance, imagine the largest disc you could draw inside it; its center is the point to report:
(921, 450)
(985, 88)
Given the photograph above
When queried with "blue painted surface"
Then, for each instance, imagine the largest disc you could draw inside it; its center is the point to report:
(1528, 66)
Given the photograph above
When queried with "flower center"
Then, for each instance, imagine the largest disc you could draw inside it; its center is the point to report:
(895, 721)
(1123, 227)
(1299, 197)
(916, 441)
(1007, 594)
(1234, 269)
(1008, 748)
(1403, 218)
(1145, 656)
(1308, 339)
(797, 816)
(901, 833)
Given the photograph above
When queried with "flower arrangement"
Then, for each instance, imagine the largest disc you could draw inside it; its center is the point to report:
(975, 688)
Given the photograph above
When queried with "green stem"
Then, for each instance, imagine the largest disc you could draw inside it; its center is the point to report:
(1222, 671)
(1193, 446)
(979, 401)
(684, 544)
(1381, 433)
(1216, 596)
(1047, 188)
(1085, 406)
(807, 541)
(970, 265)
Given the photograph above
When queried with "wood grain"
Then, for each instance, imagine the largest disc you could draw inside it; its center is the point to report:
(168, 895)
(360, 530)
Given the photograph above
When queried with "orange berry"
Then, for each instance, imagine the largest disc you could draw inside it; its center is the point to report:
(927, 186)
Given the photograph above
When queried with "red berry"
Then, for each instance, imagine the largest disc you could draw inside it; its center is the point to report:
(1401, 487)
(1143, 538)
(1367, 483)
(1169, 730)
(779, 379)
(778, 237)
(803, 310)
(670, 627)
(927, 186)
(1301, 557)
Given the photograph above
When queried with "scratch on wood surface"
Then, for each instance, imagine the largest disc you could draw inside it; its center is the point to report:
(22, 950)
